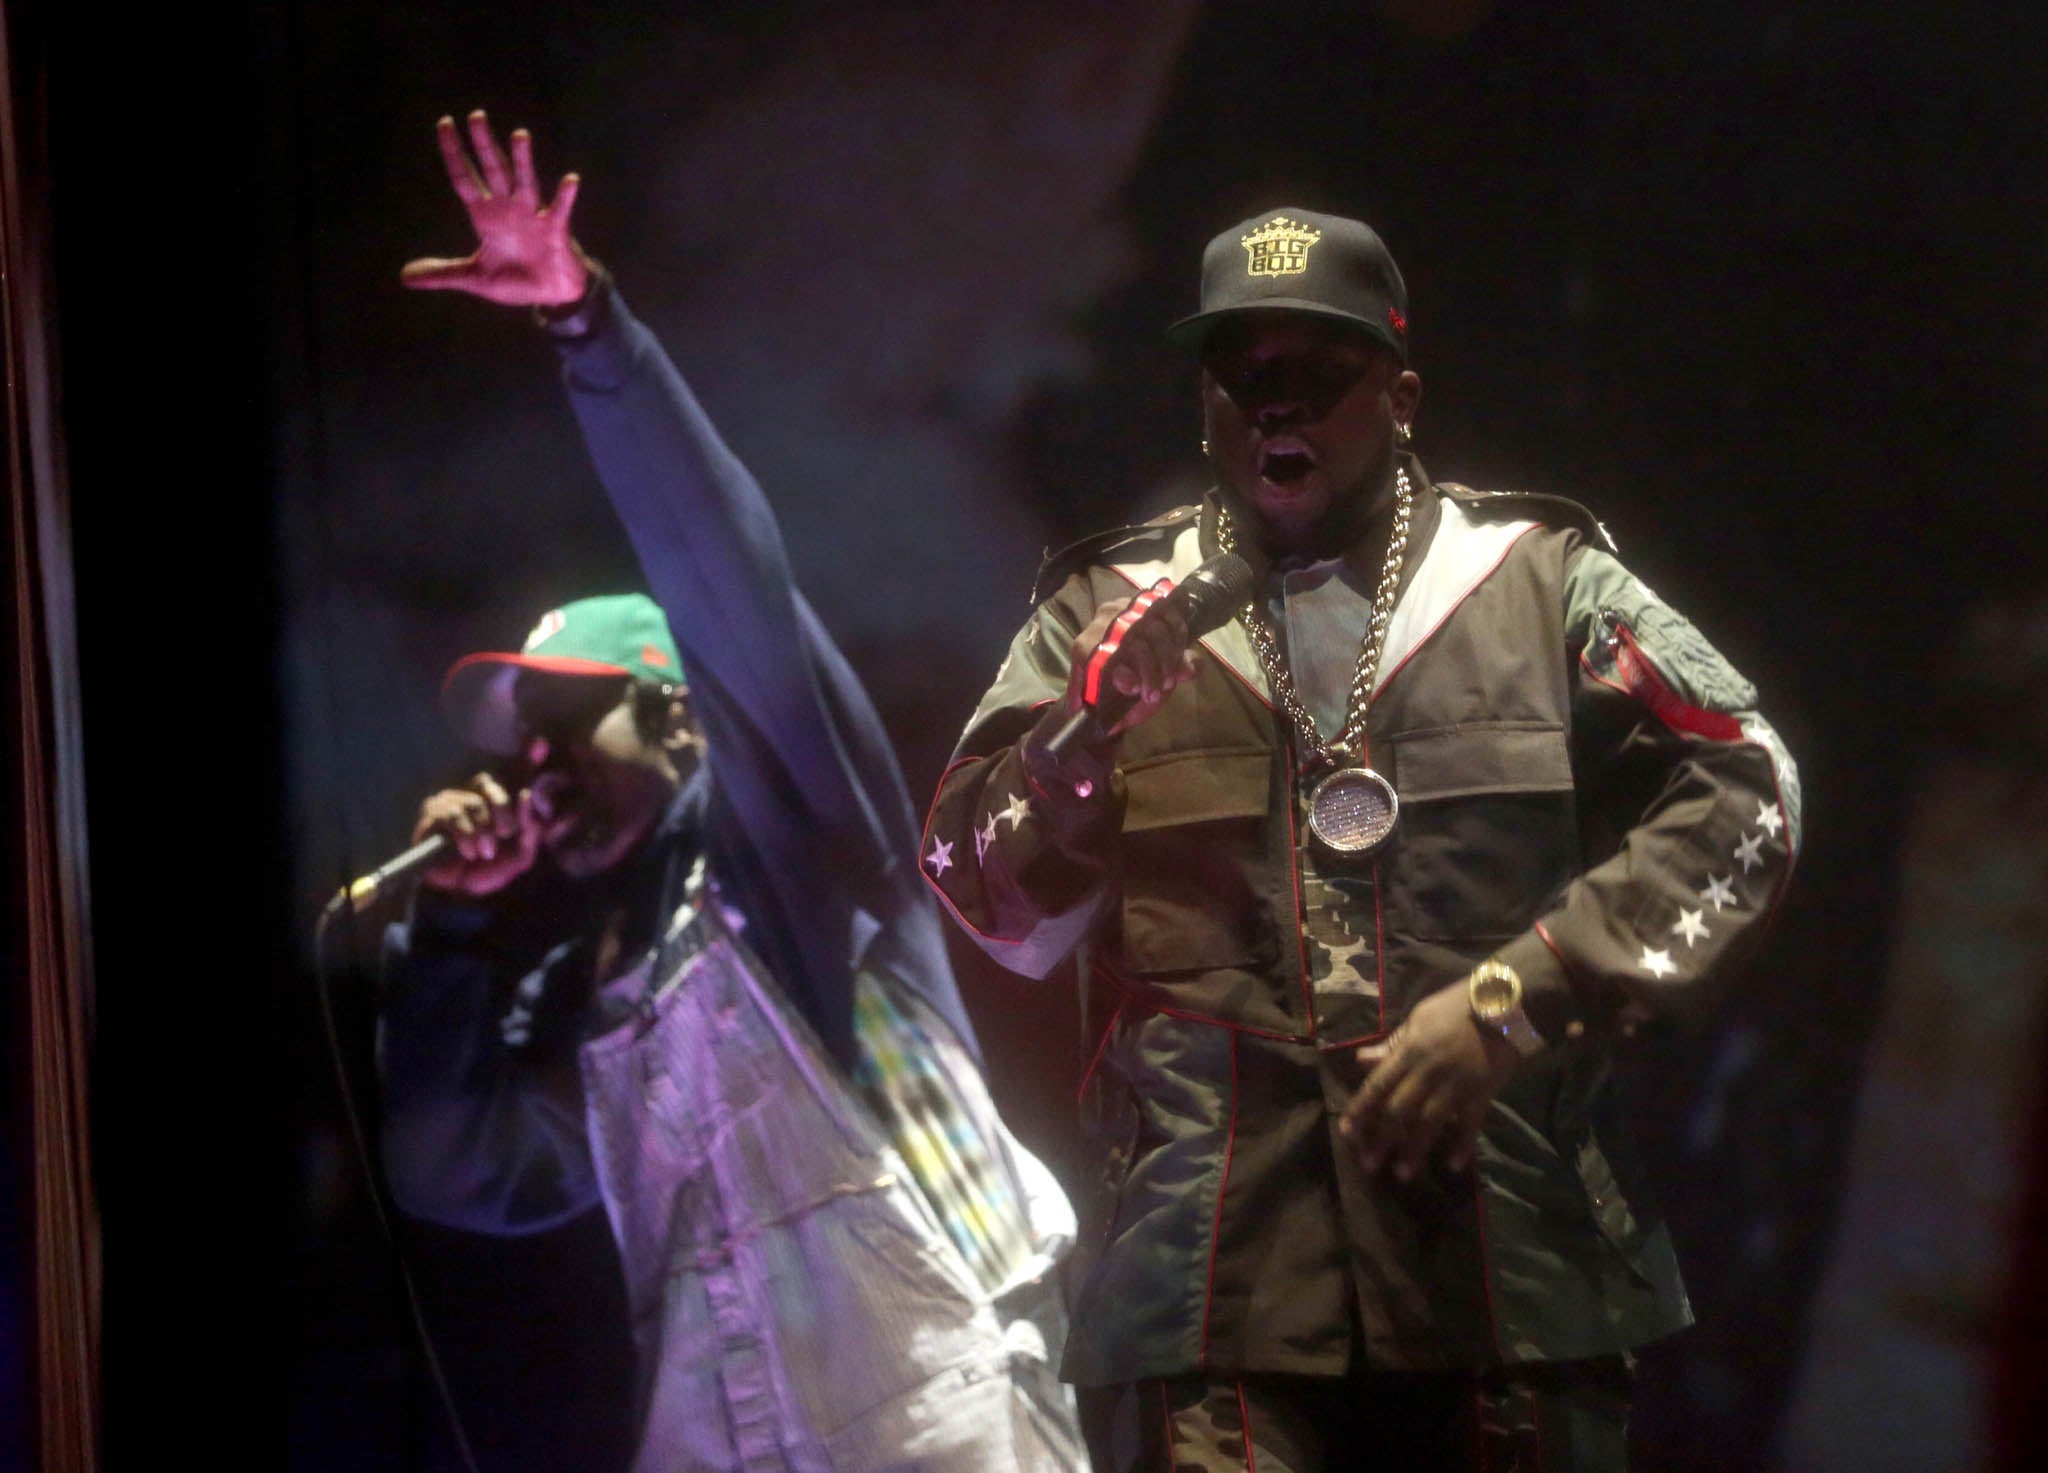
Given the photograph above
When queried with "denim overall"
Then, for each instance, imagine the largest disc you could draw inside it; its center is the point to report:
(795, 1304)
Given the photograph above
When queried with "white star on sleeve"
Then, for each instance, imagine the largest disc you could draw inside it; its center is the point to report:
(1657, 963)
(1768, 818)
(1749, 852)
(1719, 893)
(1014, 811)
(984, 836)
(1691, 925)
(941, 857)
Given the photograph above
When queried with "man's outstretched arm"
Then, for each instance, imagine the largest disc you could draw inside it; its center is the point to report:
(761, 667)
(800, 755)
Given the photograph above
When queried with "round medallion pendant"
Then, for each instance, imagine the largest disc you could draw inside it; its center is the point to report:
(1352, 811)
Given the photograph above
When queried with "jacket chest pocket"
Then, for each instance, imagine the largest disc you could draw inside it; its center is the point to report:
(1194, 855)
(1488, 831)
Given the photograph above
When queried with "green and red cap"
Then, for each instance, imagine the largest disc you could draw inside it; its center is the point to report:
(606, 637)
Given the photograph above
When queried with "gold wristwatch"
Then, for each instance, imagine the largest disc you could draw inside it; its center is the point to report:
(1495, 992)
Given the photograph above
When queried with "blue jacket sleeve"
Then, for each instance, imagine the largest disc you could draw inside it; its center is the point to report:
(807, 782)
(483, 1105)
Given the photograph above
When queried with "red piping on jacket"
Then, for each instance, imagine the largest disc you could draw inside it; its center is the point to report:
(1485, 1262)
(1244, 1416)
(1791, 854)
(931, 880)
(1646, 683)
(1222, 1188)
(1101, 1046)
(1333, 1045)
(1308, 995)
(1740, 738)
(1379, 944)
(1124, 985)
(1572, 975)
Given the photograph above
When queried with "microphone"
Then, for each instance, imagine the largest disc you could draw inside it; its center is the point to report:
(1207, 598)
(359, 893)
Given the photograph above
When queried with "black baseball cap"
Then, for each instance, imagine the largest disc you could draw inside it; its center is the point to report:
(1296, 260)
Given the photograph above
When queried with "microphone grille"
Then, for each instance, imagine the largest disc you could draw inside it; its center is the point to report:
(1215, 591)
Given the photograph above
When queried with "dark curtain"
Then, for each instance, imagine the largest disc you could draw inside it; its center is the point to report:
(55, 1273)
(142, 626)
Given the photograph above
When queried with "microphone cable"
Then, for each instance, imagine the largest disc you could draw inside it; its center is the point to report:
(345, 904)
(305, 332)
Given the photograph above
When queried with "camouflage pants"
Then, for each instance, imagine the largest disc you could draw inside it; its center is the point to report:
(1557, 1418)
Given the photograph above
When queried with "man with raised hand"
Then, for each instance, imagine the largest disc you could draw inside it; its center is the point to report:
(680, 963)
(1364, 883)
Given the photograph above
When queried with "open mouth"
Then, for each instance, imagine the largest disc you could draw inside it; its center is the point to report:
(548, 794)
(557, 804)
(1285, 463)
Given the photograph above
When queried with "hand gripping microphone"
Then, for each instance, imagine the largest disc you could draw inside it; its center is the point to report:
(1207, 598)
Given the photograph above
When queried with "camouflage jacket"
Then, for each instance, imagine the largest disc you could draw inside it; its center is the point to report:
(1587, 793)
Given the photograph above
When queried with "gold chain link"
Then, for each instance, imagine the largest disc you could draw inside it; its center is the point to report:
(1260, 627)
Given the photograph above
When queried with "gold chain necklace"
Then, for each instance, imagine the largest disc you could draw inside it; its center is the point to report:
(1352, 810)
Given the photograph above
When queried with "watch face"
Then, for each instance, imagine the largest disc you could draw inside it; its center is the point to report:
(1493, 998)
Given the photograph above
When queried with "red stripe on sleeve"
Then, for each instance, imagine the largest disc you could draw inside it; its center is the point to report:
(1641, 678)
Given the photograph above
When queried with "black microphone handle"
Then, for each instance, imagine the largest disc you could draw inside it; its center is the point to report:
(1080, 729)
(1207, 597)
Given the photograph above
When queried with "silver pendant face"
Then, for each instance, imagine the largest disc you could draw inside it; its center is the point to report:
(1352, 811)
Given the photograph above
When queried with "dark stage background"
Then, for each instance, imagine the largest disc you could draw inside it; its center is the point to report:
(1760, 283)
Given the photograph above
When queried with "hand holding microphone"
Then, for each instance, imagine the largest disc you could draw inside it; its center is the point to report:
(1135, 651)
(473, 841)
(493, 837)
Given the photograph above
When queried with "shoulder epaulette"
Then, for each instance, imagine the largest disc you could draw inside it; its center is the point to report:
(1541, 506)
(1058, 566)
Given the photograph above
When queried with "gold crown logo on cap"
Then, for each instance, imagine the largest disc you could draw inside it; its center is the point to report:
(1278, 248)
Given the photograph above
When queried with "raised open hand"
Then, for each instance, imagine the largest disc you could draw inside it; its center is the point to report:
(524, 256)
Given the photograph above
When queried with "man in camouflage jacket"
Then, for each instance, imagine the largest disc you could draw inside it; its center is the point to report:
(1333, 1200)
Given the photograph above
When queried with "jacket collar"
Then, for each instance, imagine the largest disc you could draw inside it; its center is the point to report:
(1451, 552)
